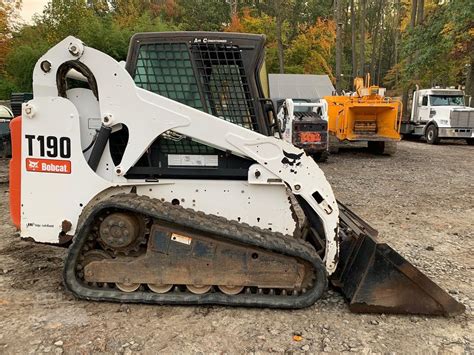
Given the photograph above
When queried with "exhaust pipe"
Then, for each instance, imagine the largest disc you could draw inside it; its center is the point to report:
(374, 278)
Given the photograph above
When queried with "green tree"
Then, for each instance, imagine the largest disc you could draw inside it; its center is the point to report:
(204, 15)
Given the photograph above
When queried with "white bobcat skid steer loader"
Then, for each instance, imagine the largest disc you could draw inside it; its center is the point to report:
(182, 240)
(305, 125)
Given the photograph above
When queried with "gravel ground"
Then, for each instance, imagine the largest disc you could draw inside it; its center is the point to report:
(421, 201)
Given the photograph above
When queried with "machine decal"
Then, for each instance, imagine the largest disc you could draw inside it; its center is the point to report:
(310, 137)
(193, 160)
(48, 146)
(37, 225)
(209, 40)
(48, 166)
(181, 238)
(291, 159)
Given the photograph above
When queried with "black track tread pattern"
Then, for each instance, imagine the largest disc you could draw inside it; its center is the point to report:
(213, 225)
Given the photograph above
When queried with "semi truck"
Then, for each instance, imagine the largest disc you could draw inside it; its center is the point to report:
(439, 113)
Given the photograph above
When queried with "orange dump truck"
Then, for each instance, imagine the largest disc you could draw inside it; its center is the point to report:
(367, 116)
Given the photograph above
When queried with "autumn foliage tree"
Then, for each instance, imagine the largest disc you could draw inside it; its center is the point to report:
(311, 51)
(400, 42)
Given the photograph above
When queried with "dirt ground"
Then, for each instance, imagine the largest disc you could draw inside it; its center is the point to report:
(421, 201)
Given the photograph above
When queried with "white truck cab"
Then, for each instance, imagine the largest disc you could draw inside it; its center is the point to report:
(440, 113)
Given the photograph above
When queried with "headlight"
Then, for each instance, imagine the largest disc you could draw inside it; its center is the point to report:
(444, 121)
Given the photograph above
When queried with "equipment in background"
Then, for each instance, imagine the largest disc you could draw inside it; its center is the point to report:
(6, 116)
(16, 101)
(439, 113)
(305, 125)
(302, 113)
(186, 240)
(365, 116)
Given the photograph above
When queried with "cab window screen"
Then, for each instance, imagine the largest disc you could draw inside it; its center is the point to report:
(207, 76)
(166, 69)
(225, 83)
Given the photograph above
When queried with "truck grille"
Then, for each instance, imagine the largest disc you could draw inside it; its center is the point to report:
(462, 119)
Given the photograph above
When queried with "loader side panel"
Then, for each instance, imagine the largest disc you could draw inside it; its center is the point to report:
(15, 172)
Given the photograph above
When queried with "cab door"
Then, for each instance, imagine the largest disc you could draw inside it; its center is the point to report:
(424, 110)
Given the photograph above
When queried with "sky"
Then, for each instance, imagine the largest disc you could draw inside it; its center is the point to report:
(30, 7)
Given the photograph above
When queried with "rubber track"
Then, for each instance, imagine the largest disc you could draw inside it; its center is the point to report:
(205, 223)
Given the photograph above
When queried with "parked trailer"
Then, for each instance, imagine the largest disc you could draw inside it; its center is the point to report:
(366, 116)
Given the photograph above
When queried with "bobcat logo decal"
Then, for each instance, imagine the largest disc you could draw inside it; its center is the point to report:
(33, 165)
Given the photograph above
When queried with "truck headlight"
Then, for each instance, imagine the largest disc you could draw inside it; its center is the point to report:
(443, 121)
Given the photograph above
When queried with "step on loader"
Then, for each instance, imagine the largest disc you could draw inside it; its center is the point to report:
(203, 228)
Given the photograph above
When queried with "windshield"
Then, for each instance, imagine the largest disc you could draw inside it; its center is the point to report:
(301, 108)
(444, 100)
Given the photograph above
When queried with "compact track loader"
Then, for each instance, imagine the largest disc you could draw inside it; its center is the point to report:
(85, 171)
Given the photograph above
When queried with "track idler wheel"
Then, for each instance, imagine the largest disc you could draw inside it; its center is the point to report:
(231, 290)
(127, 287)
(160, 288)
(199, 289)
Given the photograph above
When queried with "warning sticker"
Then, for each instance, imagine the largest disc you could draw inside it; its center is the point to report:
(181, 238)
(48, 166)
(193, 160)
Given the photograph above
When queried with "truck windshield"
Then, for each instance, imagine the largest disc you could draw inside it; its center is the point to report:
(445, 100)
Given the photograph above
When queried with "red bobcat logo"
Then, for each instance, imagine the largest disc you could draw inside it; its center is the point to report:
(32, 165)
(48, 166)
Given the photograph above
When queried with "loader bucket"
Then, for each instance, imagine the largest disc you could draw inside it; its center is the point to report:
(376, 279)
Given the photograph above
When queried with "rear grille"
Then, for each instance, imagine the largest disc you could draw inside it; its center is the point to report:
(306, 115)
(464, 119)
(365, 127)
(320, 126)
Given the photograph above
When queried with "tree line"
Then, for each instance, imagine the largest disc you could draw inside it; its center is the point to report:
(400, 43)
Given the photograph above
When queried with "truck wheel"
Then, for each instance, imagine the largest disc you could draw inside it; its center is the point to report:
(470, 141)
(390, 148)
(321, 157)
(376, 147)
(382, 148)
(333, 144)
(431, 135)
